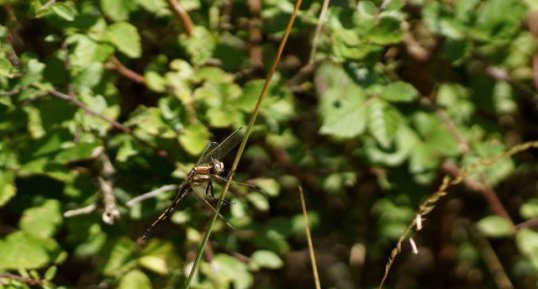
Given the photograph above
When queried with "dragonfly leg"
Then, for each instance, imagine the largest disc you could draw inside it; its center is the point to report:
(209, 189)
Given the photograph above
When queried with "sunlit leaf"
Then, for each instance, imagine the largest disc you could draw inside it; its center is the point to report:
(65, 11)
(21, 250)
(194, 139)
(7, 187)
(135, 279)
(529, 209)
(125, 37)
(495, 226)
(383, 122)
(42, 221)
(399, 91)
(266, 259)
(117, 10)
(527, 242)
(121, 258)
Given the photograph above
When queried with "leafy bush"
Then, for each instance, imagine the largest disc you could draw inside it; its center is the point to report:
(102, 101)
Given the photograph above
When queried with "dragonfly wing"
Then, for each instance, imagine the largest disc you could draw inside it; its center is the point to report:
(219, 151)
(209, 148)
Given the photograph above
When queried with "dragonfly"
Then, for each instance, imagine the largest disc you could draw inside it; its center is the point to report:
(207, 169)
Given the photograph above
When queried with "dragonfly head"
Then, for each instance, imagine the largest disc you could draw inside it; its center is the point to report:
(217, 167)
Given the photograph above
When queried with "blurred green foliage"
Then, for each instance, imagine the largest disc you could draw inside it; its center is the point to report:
(125, 95)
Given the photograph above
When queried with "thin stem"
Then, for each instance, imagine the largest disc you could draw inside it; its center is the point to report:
(150, 195)
(73, 100)
(128, 73)
(26, 280)
(528, 224)
(80, 211)
(309, 240)
(243, 142)
(321, 20)
(88, 110)
(492, 262)
(182, 14)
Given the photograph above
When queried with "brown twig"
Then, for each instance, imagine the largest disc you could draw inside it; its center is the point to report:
(255, 39)
(182, 14)
(489, 194)
(414, 48)
(88, 110)
(106, 186)
(492, 261)
(73, 100)
(532, 223)
(128, 73)
(25, 280)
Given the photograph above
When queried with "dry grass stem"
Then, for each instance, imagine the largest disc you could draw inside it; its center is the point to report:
(309, 240)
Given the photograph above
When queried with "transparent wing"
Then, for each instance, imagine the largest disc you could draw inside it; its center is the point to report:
(209, 148)
(219, 151)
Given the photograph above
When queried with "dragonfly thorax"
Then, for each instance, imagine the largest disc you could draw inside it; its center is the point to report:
(203, 173)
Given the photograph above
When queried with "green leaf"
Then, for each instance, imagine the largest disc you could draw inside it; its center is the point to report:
(348, 44)
(266, 259)
(75, 152)
(529, 209)
(159, 257)
(299, 225)
(200, 44)
(7, 186)
(230, 270)
(135, 279)
(347, 116)
(150, 121)
(121, 258)
(125, 38)
(87, 51)
(117, 10)
(495, 226)
(66, 12)
(154, 6)
(527, 242)
(269, 186)
(342, 103)
(155, 81)
(5, 67)
(126, 150)
(89, 76)
(399, 91)
(50, 273)
(387, 31)
(259, 201)
(194, 139)
(383, 122)
(42, 221)
(21, 250)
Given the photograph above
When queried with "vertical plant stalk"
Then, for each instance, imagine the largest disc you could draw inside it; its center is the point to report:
(309, 240)
(243, 143)
(321, 20)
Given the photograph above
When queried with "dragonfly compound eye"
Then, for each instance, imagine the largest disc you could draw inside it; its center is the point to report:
(218, 167)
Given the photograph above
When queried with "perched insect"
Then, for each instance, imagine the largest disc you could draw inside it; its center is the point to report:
(208, 168)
